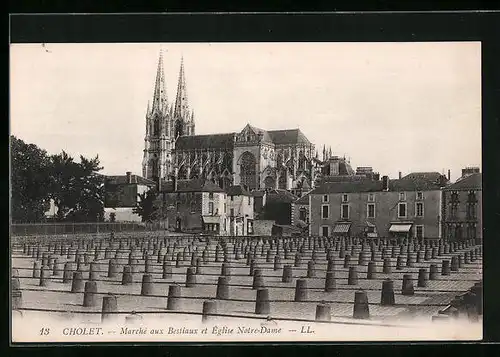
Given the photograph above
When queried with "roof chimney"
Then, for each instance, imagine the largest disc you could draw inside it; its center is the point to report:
(385, 183)
(129, 177)
(400, 175)
(449, 175)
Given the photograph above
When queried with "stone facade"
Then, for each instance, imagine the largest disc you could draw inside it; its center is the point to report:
(240, 210)
(407, 207)
(253, 157)
(300, 210)
(165, 122)
(462, 208)
(196, 206)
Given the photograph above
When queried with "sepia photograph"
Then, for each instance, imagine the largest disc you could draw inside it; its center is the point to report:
(246, 192)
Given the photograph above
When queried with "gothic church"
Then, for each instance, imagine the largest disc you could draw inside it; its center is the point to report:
(257, 158)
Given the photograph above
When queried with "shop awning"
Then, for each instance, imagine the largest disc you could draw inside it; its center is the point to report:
(341, 228)
(211, 219)
(400, 227)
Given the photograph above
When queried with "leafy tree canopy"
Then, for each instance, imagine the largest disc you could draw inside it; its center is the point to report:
(76, 188)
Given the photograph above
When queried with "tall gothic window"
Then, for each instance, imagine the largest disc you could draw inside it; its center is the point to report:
(279, 160)
(248, 170)
(156, 127)
(269, 182)
(179, 130)
(154, 168)
(282, 179)
(182, 175)
(302, 161)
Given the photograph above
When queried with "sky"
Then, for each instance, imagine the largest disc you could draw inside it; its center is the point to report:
(393, 106)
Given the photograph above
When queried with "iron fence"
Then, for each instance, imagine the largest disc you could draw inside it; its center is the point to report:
(28, 229)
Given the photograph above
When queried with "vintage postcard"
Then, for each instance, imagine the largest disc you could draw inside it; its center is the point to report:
(237, 192)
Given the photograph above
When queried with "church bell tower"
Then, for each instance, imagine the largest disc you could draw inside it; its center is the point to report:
(159, 141)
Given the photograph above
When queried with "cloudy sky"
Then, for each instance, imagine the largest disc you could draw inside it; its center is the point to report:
(393, 106)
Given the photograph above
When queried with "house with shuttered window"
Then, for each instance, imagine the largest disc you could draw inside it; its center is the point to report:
(462, 207)
(363, 207)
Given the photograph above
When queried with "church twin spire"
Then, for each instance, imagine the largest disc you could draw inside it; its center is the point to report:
(179, 109)
(160, 99)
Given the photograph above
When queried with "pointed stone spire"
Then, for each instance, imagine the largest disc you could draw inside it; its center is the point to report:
(181, 109)
(160, 92)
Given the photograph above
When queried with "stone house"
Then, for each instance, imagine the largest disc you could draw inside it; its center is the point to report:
(462, 207)
(195, 206)
(401, 208)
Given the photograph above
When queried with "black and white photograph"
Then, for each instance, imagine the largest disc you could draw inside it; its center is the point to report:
(246, 192)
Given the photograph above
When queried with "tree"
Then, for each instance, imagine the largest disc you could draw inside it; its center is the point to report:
(147, 207)
(30, 181)
(77, 188)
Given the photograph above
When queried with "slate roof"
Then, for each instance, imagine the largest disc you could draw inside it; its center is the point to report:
(470, 182)
(414, 182)
(305, 185)
(304, 200)
(123, 180)
(258, 193)
(238, 190)
(280, 196)
(343, 178)
(432, 176)
(288, 136)
(226, 141)
(265, 134)
(194, 185)
(210, 141)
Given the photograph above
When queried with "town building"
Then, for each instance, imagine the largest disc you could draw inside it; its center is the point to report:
(194, 206)
(240, 206)
(122, 195)
(278, 207)
(300, 211)
(259, 202)
(462, 207)
(363, 207)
